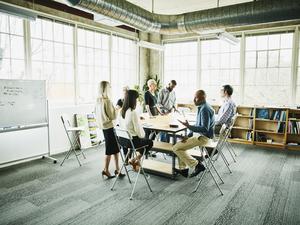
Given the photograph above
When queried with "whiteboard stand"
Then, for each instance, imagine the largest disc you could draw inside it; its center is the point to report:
(48, 131)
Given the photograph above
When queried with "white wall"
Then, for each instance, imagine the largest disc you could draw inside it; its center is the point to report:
(58, 139)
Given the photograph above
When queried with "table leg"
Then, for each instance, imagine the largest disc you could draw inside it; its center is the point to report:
(173, 158)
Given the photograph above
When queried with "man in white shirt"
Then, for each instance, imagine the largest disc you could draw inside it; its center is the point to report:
(166, 98)
(167, 102)
(227, 110)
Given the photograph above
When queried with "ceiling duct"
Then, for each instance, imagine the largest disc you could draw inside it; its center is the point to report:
(256, 12)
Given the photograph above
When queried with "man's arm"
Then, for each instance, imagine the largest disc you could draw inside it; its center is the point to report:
(205, 119)
(160, 98)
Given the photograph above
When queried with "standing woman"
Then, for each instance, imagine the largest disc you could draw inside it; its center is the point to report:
(150, 98)
(106, 113)
(151, 105)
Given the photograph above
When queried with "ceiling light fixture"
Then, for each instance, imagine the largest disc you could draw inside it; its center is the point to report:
(146, 44)
(225, 36)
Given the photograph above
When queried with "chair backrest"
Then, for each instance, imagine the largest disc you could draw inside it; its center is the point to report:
(233, 119)
(223, 135)
(65, 120)
(223, 130)
(122, 133)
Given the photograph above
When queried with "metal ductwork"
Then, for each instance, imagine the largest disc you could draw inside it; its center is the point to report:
(256, 12)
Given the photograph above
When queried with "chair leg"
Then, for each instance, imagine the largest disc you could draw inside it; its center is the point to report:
(232, 148)
(136, 179)
(77, 142)
(225, 161)
(144, 174)
(213, 177)
(230, 152)
(199, 182)
(66, 156)
(126, 157)
(213, 166)
(202, 175)
(123, 166)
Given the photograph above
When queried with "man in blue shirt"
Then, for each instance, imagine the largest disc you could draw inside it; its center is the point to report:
(200, 134)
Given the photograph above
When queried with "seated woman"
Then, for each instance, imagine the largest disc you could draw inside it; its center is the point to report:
(128, 120)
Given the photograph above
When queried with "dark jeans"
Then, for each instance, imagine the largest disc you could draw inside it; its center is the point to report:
(147, 134)
(137, 142)
(217, 129)
(164, 137)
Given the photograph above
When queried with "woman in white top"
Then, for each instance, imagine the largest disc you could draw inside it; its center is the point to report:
(106, 113)
(129, 120)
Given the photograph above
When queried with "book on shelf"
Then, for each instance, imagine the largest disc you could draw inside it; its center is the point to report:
(249, 136)
(250, 123)
(278, 115)
(251, 112)
(280, 127)
(261, 137)
(262, 113)
(92, 124)
(294, 127)
(293, 144)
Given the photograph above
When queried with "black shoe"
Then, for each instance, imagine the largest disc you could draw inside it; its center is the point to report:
(210, 153)
(184, 172)
(199, 168)
(121, 175)
(153, 154)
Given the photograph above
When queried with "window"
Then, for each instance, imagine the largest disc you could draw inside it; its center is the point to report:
(220, 65)
(93, 63)
(180, 64)
(124, 65)
(53, 58)
(268, 60)
(12, 60)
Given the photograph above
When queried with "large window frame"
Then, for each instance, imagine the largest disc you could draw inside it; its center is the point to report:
(186, 70)
(295, 67)
(28, 56)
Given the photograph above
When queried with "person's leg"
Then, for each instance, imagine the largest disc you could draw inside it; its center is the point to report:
(139, 142)
(106, 163)
(116, 156)
(163, 137)
(181, 147)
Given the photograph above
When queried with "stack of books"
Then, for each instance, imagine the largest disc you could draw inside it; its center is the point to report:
(294, 127)
(278, 115)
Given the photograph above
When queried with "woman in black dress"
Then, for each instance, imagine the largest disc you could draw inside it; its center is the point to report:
(150, 99)
(106, 113)
(151, 105)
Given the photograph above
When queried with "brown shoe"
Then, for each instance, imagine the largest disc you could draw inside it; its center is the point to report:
(135, 164)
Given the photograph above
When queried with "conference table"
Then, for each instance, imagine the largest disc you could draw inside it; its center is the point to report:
(167, 124)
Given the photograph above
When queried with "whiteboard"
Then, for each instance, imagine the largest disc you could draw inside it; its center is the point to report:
(22, 102)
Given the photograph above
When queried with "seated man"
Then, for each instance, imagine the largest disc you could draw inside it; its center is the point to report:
(202, 131)
(227, 110)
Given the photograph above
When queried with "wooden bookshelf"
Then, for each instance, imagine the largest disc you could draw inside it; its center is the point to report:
(266, 126)
(293, 135)
(242, 131)
(270, 126)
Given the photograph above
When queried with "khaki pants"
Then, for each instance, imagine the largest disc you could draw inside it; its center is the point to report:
(180, 149)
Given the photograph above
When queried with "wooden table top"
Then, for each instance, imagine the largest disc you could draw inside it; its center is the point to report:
(162, 123)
